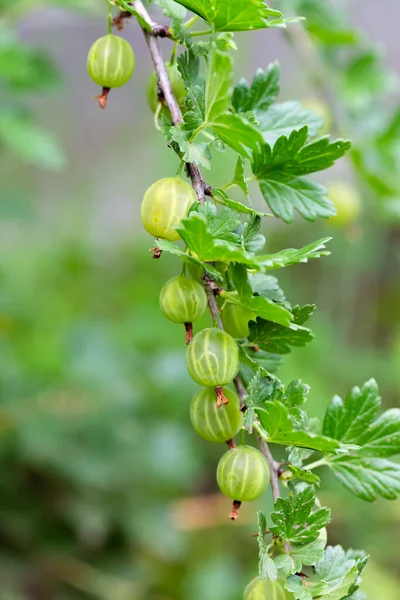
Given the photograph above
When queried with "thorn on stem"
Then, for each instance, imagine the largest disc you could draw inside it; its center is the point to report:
(221, 398)
(189, 332)
(103, 97)
(235, 510)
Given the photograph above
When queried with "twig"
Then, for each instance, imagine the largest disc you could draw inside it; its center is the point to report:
(200, 188)
(165, 85)
(272, 467)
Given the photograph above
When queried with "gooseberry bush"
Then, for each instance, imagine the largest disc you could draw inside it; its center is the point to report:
(200, 110)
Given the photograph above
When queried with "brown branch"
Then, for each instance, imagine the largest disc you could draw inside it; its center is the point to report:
(273, 467)
(200, 188)
(166, 88)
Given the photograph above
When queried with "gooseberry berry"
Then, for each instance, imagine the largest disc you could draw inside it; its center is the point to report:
(258, 589)
(236, 320)
(183, 300)
(177, 87)
(211, 423)
(111, 61)
(212, 358)
(243, 474)
(164, 205)
(347, 201)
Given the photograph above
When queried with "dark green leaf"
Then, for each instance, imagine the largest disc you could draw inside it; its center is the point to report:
(167, 246)
(265, 308)
(278, 339)
(263, 91)
(278, 427)
(238, 133)
(281, 119)
(295, 519)
(172, 9)
(218, 84)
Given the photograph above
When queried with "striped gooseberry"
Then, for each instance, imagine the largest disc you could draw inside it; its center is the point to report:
(236, 320)
(177, 87)
(258, 589)
(243, 474)
(211, 423)
(111, 61)
(183, 300)
(164, 205)
(212, 358)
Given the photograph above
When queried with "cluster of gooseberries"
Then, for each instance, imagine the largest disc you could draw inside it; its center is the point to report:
(111, 63)
(212, 354)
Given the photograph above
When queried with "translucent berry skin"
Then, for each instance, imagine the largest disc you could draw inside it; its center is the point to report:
(111, 61)
(266, 590)
(177, 87)
(212, 358)
(243, 474)
(212, 424)
(183, 300)
(164, 205)
(236, 320)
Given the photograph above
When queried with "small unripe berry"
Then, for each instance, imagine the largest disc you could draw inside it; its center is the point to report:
(347, 201)
(164, 205)
(236, 320)
(111, 61)
(243, 474)
(177, 87)
(212, 358)
(212, 423)
(183, 300)
(266, 590)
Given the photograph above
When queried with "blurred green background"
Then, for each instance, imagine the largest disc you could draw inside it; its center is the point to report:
(105, 490)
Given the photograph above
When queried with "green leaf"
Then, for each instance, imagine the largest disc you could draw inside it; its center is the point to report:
(218, 84)
(336, 573)
(235, 15)
(195, 233)
(238, 133)
(263, 91)
(279, 429)
(263, 307)
(197, 236)
(191, 151)
(252, 240)
(281, 119)
(280, 172)
(221, 196)
(239, 177)
(189, 68)
(253, 361)
(167, 246)
(30, 143)
(279, 339)
(366, 472)
(222, 225)
(291, 256)
(308, 476)
(172, 9)
(266, 286)
(266, 566)
(368, 478)
(295, 519)
(308, 555)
